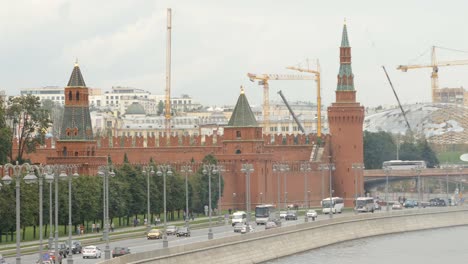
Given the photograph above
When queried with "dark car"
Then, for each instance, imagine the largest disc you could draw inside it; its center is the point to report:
(120, 251)
(291, 215)
(183, 231)
(63, 249)
(437, 202)
(76, 247)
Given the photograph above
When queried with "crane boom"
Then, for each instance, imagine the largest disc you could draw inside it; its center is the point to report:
(319, 98)
(263, 80)
(398, 100)
(292, 112)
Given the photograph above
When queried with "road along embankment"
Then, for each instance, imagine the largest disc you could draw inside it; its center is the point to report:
(257, 247)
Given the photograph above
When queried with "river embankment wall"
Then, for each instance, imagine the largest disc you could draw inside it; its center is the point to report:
(271, 244)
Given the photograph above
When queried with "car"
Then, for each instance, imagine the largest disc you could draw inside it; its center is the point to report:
(283, 214)
(377, 206)
(91, 252)
(154, 234)
(76, 247)
(246, 229)
(311, 214)
(120, 251)
(171, 230)
(410, 204)
(183, 231)
(397, 206)
(437, 202)
(238, 227)
(291, 215)
(271, 224)
(63, 249)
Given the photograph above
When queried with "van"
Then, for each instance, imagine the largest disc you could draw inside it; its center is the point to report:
(239, 217)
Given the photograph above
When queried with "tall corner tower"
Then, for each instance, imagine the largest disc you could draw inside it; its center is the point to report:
(346, 117)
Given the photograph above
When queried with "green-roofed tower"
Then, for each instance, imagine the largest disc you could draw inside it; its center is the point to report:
(345, 121)
(242, 116)
(242, 135)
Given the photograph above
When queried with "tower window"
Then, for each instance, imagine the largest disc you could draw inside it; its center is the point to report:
(238, 134)
(70, 96)
(77, 95)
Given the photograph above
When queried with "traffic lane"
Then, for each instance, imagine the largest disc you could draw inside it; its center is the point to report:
(137, 245)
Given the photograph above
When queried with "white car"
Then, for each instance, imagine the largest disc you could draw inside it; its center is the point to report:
(397, 206)
(283, 214)
(91, 251)
(312, 214)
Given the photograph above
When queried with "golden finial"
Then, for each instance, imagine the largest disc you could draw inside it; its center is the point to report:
(345, 21)
(242, 89)
(76, 62)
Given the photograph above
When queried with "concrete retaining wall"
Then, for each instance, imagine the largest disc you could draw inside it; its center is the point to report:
(280, 242)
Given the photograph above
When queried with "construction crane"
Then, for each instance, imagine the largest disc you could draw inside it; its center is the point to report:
(292, 112)
(167, 100)
(399, 104)
(263, 80)
(435, 69)
(319, 99)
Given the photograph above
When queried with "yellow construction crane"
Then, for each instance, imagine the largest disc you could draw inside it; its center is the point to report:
(263, 80)
(319, 99)
(435, 69)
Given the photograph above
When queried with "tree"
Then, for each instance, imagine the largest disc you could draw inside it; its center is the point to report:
(160, 108)
(56, 115)
(29, 123)
(378, 147)
(5, 134)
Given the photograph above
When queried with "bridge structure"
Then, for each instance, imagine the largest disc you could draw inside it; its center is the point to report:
(453, 174)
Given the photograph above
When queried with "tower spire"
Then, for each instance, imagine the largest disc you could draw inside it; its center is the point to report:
(345, 75)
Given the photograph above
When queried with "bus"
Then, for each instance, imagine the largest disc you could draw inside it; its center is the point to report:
(364, 204)
(336, 206)
(265, 213)
(404, 164)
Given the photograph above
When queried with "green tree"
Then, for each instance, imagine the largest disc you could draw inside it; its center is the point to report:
(160, 108)
(5, 134)
(378, 147)
(28, 121)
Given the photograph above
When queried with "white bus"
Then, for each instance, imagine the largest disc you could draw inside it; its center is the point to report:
(404, 164)
(337, 204)
(365, 204)
(265, 213)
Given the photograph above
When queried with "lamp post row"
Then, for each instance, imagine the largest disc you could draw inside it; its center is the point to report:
(49, 174)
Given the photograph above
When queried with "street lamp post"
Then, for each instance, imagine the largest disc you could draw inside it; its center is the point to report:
(51, 238)
(106, 171)
(387, 170)
(247, 168)
(219, 168)
(322, 168)
(209, 169)
(305, 168)
(41, 170)
(279, 168)
(186, 169)
(331, 167)
(149, 171)
(68, 173)
(417, 169)
(286, 169)
(234, 200)
(162, 171)
(28, 179)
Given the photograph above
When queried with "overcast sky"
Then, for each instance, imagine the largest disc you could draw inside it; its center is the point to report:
(216, 43)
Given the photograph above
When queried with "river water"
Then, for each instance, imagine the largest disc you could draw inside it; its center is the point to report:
(436, 246)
